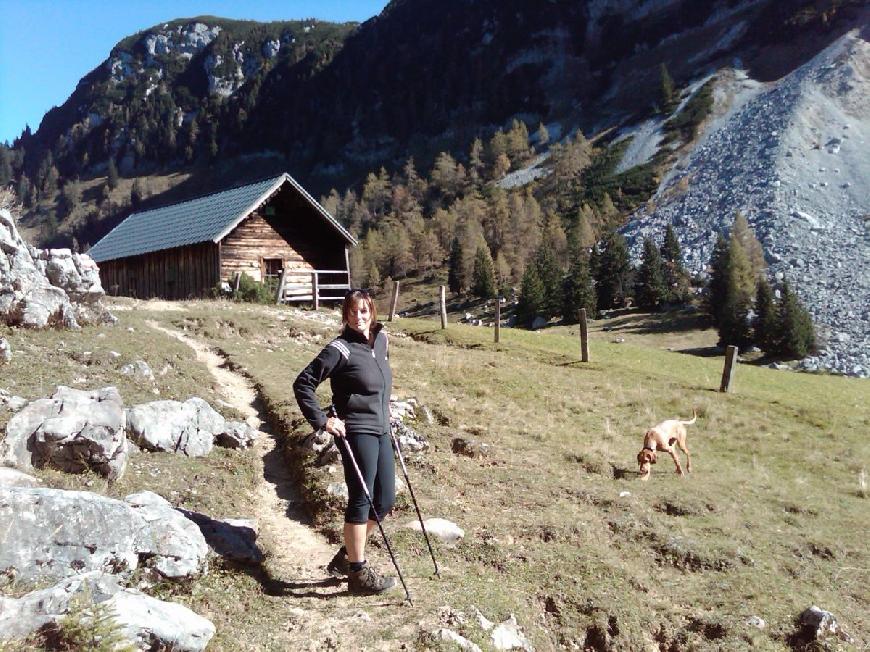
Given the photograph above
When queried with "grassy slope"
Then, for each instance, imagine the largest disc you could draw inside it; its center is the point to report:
(770, 522)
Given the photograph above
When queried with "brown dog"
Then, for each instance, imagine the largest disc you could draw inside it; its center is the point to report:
(663, 437)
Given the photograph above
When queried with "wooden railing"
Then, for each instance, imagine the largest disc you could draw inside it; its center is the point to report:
(314, 286)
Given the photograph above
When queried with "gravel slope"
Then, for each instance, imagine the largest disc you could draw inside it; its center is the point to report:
(793, 156)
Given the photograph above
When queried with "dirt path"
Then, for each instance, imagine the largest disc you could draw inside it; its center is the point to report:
(296, 554)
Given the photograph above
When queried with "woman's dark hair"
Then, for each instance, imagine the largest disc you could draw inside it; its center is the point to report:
(351, 299)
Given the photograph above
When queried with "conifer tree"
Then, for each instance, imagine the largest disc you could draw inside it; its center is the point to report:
(734, 327)
(531, 298)
(765, 325)
(578, 290)
(613, 278)
(483, 283)
(797, 334)
(455, 267)
(676, 278)
(543, 136)
(717, 286)
(5, 166)
(650, 289)
(137, 193)
(746, 235)
(550, 275)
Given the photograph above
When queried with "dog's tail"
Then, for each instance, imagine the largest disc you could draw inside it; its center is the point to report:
(694, 418)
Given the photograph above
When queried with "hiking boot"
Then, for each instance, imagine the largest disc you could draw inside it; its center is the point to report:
(339, 566)
(367, 581)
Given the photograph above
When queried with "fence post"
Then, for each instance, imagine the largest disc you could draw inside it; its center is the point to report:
(236, 281)
(497, 318)
(280, 294)
(584, 337)
(315, 291)
(443, 307)
(394, 301)
(728, 371)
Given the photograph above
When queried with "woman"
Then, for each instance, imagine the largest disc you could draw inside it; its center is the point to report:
(357, 365)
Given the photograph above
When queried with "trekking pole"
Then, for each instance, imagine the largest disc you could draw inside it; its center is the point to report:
(414, 498)
(362, 481)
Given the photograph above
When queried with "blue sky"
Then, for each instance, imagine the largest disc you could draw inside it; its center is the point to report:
(46, 46)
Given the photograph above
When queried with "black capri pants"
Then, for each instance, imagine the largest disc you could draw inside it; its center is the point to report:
(374, 456)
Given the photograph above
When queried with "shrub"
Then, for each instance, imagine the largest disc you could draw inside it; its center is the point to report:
(251, 291)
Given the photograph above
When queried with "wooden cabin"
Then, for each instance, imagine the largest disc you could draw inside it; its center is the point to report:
(271, 230)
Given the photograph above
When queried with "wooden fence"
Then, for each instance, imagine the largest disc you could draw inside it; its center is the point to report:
(313, 286)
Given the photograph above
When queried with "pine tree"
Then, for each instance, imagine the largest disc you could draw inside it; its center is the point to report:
(666, 89)
(455, 267)
(717, 286)
(5, 166)
(483, 283)
(671, 251)
(543, 136)
(531, 299)
(765, 325)
(650, 290)
(137, 193)
(676, 277)
(550, 275)
(754, 251)
(613, 278)
(734, 327)
(578, 290)
(797, 334)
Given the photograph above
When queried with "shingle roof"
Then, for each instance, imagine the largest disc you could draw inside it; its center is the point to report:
(203, 219)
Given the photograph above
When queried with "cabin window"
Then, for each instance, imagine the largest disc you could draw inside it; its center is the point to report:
(272, 268)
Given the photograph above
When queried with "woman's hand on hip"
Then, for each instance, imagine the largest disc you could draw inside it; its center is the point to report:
(335, 426)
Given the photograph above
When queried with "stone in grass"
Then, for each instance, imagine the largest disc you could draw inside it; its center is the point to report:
(449, 636)
(470, 447)
(11, 402)
(5, 351)
(138, 369)
(440, 528)
(508, 635)
(236, 434)
(73, 431)
(187, 428)
(818, 624)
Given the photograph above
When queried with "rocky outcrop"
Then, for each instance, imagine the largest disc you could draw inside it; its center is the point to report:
(41, 288)
(51, 534)
(146, 622)
(188, 428)
(73, 431)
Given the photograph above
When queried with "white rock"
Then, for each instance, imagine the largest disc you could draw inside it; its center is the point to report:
(508, 636)
(445, 530)
(13, 478)
(449, 636)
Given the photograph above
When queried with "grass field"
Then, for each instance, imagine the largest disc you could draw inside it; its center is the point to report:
(558, 530)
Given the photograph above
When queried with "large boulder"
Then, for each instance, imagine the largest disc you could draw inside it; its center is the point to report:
(147, 623)
(236, 434)
(40, 288)
(60, 533)
(187, 428)
(73, 431)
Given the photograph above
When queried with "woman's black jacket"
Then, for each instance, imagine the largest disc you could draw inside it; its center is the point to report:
(361, 382)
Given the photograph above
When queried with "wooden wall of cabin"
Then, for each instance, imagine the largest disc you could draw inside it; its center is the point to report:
(286, 227)
(178, 273)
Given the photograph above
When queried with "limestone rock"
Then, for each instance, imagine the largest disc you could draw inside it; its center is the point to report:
(10, 402)
(470, 447)
(139, 369)
(49, 287)
(236, 434)
(187, 428)
(74, 431)
(509, 636)
(178, 544)
(440, 528)
(13, 478)
(818, 624)
(63, 533)
(5, 351)
(409, 439)
(449, 636)
(157, 625)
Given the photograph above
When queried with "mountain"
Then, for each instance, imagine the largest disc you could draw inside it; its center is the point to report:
(199, 103)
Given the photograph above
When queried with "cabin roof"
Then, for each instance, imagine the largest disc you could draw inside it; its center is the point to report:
(204, 219)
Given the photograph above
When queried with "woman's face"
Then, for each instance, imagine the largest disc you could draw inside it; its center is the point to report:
(360, 318)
